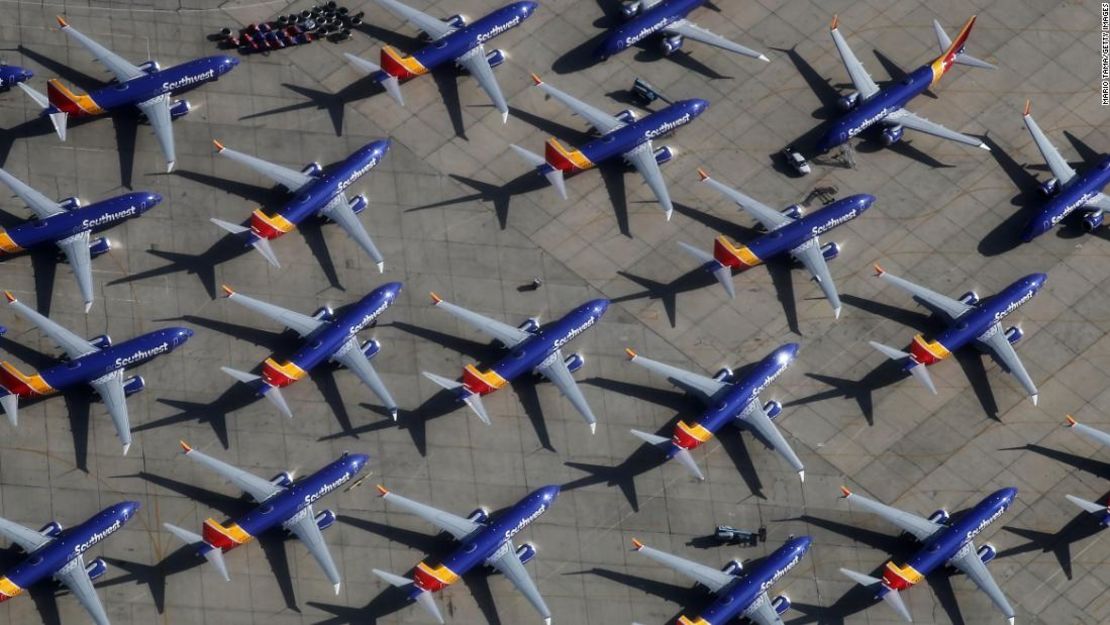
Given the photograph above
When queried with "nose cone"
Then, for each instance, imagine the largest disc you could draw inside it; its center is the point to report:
(153, 199)
(698, 106)
(864, 201)
(357, 461)
(787, 353)
(549, 493)
(180, 335)
(609, 46)
(599, 306)
(228, 63)
(829, 140)
(1032, 231)
(1007, 495)
(528, 8)
(393, 289)
(1037, 280)
(128, 509)
(801, 544)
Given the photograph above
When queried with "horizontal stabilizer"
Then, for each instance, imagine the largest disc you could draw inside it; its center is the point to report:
(473, 400)
(257, 242)
(212, 554)
(722, 273)
(59, 119)
(391, 84)
(554, 176)
(262, 388)
(915, 368)
(683, 456)
(962, 59)
(1089, 506)
(10, 403)
(651, 439)
(424, 598)
(891, 596)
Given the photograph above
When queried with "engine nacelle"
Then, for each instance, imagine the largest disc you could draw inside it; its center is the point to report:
(781, 604)
(133, 385)
(970, 298)
(102, 342)
(98, 246)
(70, 203)
(371, 348)
(282, 479)
(1092, 221)
(663, 154)
(626, 116)
(892, 135)
(52, 529)
(324, 519)
(987, 553)
(530, 325)
(724, 374)
(456, 21)
(480, 515)
(96, 568)
(733, 567)
(495, 57)
(671, 44)
(1014, 334)
(830, 250)
(149, 67)
(772, 408)
(794, 211)
(180, 108)
(939, 516)
(312, 169)
(1050, 187)
(848, 102)
(525, 552)
(358, 204)
(324, 313)
(630, 10)
(574, 362)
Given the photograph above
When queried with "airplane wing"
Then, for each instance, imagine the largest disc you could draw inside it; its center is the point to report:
(503, 332)
(306, 529)
(764, 612)
(561, 377)
(770, 218)
(916, 122)
(920, 527)
(1092, 434)
(476, 63)
(690, 30)
(967, 560)
(73, 345)
(1060, 168)
(27, 538)
(157, 111)
(509, 565)
(434, 27)
(76, 249)
(39, 204)
(602, 121)
(339, 211)
(642, 157)
(756, 418)
(951, 307)
(110, 389)
(76, 579)
(809, 254)
(122, 69)
(995, 340)
(356, 361)
(289, 178)
(1100, 201)
(300, 323)
(454, 525)
(699, 385)
(711, 578)
(259, 489)
(860, 78)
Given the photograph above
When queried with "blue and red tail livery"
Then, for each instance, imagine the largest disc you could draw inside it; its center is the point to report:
(666, 22)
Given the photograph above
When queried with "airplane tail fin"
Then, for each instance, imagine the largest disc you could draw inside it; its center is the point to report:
(889, 595)
(910, 364)
(214, 555)
(952, 52)
(1102, 510)
(10, 403)
(391, 84)
(474, 400)
(554, 175)
(422, 597)
(722, 273)
(58, 118)
(252, 239)
(262, 388)
(683, 456)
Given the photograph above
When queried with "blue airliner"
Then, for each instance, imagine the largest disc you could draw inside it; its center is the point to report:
(146, 87)
(482, 541)
(665, 19)
(944, 542)
(282, 502)
(738, 592)
(56, 554)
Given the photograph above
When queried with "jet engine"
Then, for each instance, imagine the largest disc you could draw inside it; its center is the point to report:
(133, 385)
(848, 102)
(830, 250)
(892, 135)
(1014, 334)
(324, 519)
(671, 44)
(574, 362)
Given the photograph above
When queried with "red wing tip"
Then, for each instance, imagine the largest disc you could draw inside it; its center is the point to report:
(844, 492)
(702, 174)
(536, 79)
(228, 291)
(637, 545)
(11, 298)
(630, 352)
(1071, 421)
(185, 447)
(1028, 107)
(435, 298)
(835, 22)
(61, 21)
(219, 146)
(382, 490)
(879, 270)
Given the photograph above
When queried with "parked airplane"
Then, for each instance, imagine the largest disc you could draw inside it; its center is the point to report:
(944, 542)
(868, 105)
(453, 42)
(666, 18)
(56, 554)
(68, 225)
(1102, 438)
(622, 136)
(327, 337)
(145, 86)
(534, 349)
(1066, 190)
(728, 399)
(738, 592)
(282, 502)
(13, 75)
(969, 320)
(316, 191)
(95, 362)
(483, 541)
(788, 231)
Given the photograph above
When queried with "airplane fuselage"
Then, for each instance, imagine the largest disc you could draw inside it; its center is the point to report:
(285, 507)
(792, 235)
(976, 322)
(544, 343)
(873, 110)
(316, 195)
(485, 544)
(327, 342)
(947, 543)
(87, 368)
(44, 562)
(730, 402)
(649, 22)
(1077, 193)
(741, 596)
(94, 217)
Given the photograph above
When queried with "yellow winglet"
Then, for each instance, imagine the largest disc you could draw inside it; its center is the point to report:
(536, 79)
(637, 545)
(382, 490)
(228, 291)
(219, 146)
(702, 174)
(844, 492)
(185, 447)
(435, 298)
(631, 353)
(879, 270)
(11, 298)
(61, 21)
(1071, 421)
(1028, 107)
(835, 22)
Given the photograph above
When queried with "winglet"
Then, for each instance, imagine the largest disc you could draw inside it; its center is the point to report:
(1028, 107)
(185, 447)
(382, 491)
(631, 353)
(702, 174)
(436, 299)
(844, 492)
(219, 146)
(61, 21)
(637, 545)
(228, 291)
(835, 22)
(1071, 421)
(536, 79)
(11, 298)
(879, 271)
